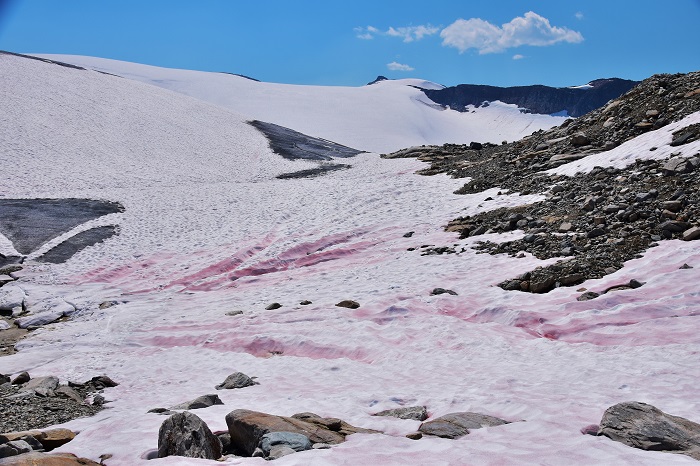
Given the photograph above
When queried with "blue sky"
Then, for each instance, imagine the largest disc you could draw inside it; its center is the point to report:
(498, 42)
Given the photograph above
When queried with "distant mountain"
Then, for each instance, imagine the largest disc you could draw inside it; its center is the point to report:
(575, 101)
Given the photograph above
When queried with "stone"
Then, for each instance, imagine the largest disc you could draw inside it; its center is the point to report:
(185, 434)
(200, 402)
(542, 284)
(321, 446)
(293, 440)
(685, 267)
(305, 302)
(644, 426)
(236, 380)
(348, 303)
(11, 296)
(677, 166)
(674, 226)
(439, 291)
(102, 381)
(415, 435)
(22, 377)
(35, 458)
(673, 206)
(14, 448)
(691, 234)
(234, 313)
(273, 306)
(278, 451)
(580, 139)
(594, 233)
(566, 226)
(248, 427)
(456, 425)
(65, 391)
(49, 439)
(42, 386)
(4, 379)
(416, 413)
(408, 235)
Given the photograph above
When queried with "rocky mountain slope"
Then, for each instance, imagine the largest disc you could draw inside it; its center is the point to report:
(575, 101)
(595, 218)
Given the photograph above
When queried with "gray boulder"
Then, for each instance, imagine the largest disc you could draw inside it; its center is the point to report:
(42, 386)
(643, 426)
(236, 380)
(14, 448)
(293, 440)
(185, 434)
(456, 425)
(203, 401)
(416, 413)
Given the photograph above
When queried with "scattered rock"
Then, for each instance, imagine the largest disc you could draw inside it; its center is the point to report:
(415, 435)
(408, 235)
(273, 306)
(587, 296)
(643, 426)
(348, 303)
(42, 386)
(305, 302)
(22, 377)
(185, 434)
(580, 139)
(293, 440)
(416, 413)
(200, 402)
(234, 313)
(439, 291)
(685, 267)
(457, 425)
(691, 234)
(248, 427)
(236, 380)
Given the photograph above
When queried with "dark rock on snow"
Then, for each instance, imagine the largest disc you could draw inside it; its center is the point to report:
(185, 434)
(416, 413)
(643, 426)
(236, 380)
(203, 401)
(273, 306)
(348, 303)
(457, 425)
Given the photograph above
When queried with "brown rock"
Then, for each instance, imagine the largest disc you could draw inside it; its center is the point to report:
(691, 234)
(350, 304)
(47, 459)
(455, 425)
(49, 439)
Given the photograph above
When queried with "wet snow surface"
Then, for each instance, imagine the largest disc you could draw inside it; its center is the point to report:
(208, 228)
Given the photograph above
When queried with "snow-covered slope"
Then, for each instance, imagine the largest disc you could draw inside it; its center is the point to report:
(382, 117)
(208, 229)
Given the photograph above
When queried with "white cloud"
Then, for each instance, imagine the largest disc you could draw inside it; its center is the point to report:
(408, 33)
(579, 15)
(517, 56)
(530, 29)
(366, 33)
(395, 66)
(411, 33)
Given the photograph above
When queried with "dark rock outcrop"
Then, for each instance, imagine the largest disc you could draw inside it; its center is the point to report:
(185, 434)
(643, 426)
(537, 98)
(455, 425)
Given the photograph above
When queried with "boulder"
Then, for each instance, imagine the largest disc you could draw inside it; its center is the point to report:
(643, 426)
(185, 434)
(236, 380)
(457, 425)
(47, 459)
(14, 448)
(49, 439)
(580, 139)
(203, 401)
(247, 428)
(38, 320)
(42, 386)
(416, 413)
(293, 440)
(22, 377)
(348, 303)
(691, 234)
(677, 165)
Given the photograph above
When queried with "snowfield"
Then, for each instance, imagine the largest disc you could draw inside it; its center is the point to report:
(382, 117)
(208, 229)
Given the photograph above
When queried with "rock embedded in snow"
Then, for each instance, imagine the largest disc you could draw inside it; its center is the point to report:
(236, 380)
(248, 427)
(200, 402)
(416, 413)
(439, 291)
(38, 320)
(646, 427)
(293, 440)
(22, 377)
(273, 306)
(185, 434)
(348, 303)
(456, 425)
